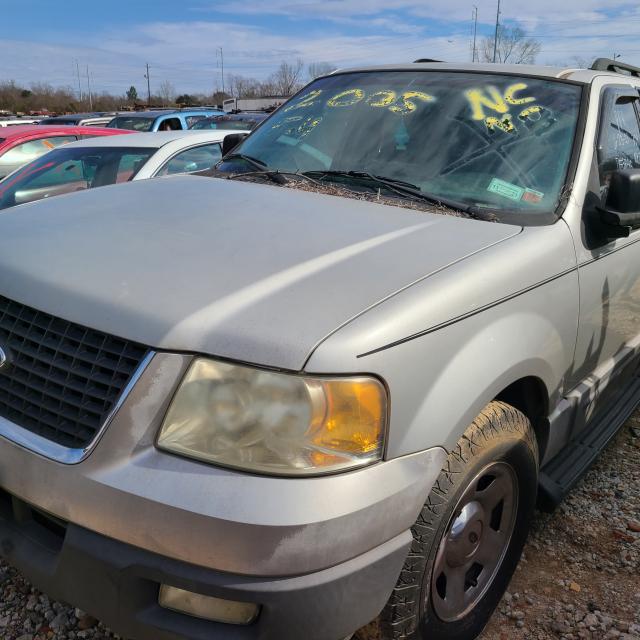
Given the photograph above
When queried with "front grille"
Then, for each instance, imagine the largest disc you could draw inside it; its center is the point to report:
(61, 380)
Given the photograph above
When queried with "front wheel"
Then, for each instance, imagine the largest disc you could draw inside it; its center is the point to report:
(469, 536)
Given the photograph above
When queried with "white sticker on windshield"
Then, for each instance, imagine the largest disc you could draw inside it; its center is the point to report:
(514, 192)
(506, 189)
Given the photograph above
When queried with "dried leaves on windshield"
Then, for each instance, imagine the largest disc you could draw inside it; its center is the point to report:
(301, 183)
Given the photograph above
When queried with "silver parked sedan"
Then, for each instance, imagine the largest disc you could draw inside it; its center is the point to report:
(98, 162)
(328, 390)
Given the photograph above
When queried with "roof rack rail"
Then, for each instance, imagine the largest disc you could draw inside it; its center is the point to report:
(606, 64)
(426, 60)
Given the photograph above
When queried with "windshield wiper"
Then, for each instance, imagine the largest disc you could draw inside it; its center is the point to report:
(274, 175)
(402, 188)
(254, 162)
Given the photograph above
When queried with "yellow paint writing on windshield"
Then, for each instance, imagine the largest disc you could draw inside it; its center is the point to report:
(346, 98)
(402, 104)
(531, 113)
(298, 125)
(382, 98)
(510, 94)
(286, 121)
(492, 100)
(484, 101)
(308, 125)
(505, 124)
(308, 101)
(406, 102)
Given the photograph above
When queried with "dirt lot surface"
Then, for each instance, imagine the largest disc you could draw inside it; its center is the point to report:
(580, 575)
(579, 578)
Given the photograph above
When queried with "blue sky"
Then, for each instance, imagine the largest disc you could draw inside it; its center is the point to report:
(40, 40)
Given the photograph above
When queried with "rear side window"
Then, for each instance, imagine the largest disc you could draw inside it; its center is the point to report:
(130, 164)
(170, 124)
(190, 160)
(69, 173)
(72, 169)
(619, 140)
(132, 123)
(191, 120)
(27, 151)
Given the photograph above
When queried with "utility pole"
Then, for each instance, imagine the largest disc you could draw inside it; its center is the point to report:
(221, 66)
(79, 84)
(89, 90)
(495, 39)
(475, 32)
(146, 75)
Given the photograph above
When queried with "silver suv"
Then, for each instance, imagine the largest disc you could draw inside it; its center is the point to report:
(328, 387)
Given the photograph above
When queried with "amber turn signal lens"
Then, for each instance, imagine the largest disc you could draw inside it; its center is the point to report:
(276, 423)
(355, 416)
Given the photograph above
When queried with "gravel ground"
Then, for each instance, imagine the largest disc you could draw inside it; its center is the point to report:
(579, 577)
(580, 574)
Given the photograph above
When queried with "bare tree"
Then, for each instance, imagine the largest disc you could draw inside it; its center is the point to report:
(286, 80)
(16, 97)
(167, 93)
(577, 62)
(317, 69)
(513, 47)
(241, 87)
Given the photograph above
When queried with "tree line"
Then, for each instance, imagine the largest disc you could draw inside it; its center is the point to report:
(288, 78)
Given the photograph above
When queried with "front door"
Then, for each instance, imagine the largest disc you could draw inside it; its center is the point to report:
(609, 326)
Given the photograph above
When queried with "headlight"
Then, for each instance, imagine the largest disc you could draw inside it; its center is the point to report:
(275, 423)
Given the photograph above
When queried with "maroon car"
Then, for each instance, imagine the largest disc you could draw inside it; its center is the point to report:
(24, 143)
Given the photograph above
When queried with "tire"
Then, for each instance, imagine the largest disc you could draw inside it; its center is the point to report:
(465, 550)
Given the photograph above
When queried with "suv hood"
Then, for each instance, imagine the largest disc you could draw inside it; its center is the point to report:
(252, 272)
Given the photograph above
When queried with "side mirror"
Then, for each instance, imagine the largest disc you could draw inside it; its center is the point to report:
(231, 141)
(621, 212)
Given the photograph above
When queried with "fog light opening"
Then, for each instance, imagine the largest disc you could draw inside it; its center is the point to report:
(207, 607)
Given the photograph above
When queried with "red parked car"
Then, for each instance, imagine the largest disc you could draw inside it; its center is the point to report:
(22, 144)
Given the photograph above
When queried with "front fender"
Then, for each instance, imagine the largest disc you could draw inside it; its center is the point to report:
(440, 378)
(475, 363)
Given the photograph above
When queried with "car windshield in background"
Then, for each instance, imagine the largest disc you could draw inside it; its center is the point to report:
(499, 142)
(230, 122)
(133, 124)
(67, 170)
(69, 121)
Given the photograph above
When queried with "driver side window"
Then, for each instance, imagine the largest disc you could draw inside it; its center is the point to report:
(190, 160)
(619, 143)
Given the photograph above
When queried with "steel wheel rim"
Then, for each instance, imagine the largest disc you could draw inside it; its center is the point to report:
(475, 542)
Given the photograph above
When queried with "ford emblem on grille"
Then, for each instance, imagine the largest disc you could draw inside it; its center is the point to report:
(3, 358)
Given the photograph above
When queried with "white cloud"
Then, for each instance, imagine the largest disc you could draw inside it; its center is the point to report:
(185, 52)
(451, 10)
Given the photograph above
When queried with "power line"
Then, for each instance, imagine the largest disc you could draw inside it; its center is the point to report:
(586, 36)
(148, 77)
(79, 84)
(475, 32)
(89, 90)
(221, 65)
(495, 39)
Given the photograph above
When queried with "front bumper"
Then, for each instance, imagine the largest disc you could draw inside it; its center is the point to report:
(119, 584)
(135, 516)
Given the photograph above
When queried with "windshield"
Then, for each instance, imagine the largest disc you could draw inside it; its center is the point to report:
(58, 121)
(132, 123)
(66, 170)
(484, 140)
(228, 123)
